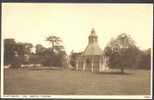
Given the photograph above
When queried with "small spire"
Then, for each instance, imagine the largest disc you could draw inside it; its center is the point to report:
(93, 31)
(123, 35)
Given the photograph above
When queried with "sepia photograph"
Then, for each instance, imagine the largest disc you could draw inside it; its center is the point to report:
(73, 50)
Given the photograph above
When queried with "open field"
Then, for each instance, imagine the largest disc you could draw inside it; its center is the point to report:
(68, 82)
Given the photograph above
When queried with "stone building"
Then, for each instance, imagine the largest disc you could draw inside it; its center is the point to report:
(92, 58)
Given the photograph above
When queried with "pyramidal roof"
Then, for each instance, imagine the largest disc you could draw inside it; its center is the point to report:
(93, 47)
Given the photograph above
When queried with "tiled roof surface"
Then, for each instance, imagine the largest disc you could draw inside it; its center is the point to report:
(93, 49)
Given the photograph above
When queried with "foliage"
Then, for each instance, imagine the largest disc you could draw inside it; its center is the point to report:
(145, 59)
(49, 58)
(9, 48)
(122, 52)
(73, 57)
(54, 40)
(39, 49)
(16, 53)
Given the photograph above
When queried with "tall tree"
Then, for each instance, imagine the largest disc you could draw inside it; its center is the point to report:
(54, 40)
(121, 51)
(58, 51)
(9, 48)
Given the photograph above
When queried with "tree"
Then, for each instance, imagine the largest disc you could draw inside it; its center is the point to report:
(23, 50)
(9, 48)
(73, 57)
(16, 53)
(28, 47)
(145, 59)
(148, 58)
(57, 54)
(39, 49)
(61, 55)
(54, 40)
(122, 52)
(39, 57)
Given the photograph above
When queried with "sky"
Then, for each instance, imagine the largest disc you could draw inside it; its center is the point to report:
(34, 22)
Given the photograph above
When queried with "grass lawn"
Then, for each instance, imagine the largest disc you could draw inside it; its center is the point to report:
(68, 82)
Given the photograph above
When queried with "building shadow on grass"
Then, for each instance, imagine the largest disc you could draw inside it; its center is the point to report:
(113, 73)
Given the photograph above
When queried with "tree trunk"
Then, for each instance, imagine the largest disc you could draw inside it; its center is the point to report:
(53, 46)
(122, 70)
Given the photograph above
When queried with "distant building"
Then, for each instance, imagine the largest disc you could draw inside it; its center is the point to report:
(92, 59)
